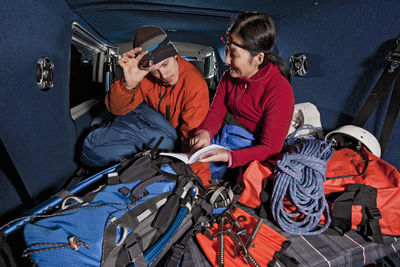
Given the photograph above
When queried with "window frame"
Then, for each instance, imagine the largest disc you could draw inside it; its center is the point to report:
(104, 54)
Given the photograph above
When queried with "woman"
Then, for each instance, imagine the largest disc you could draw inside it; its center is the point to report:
(255, 90)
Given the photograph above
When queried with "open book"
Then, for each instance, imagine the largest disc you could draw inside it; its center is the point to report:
(187, 158)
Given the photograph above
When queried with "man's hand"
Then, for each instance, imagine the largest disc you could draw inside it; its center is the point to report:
(219, 155)
(202, 139)
(129, 63)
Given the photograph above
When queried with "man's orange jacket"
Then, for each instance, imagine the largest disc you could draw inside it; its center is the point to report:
(184, 105)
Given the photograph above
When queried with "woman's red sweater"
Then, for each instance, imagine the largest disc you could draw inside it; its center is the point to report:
(264, 104)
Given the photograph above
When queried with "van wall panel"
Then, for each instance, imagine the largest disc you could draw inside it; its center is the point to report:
(347, 43)
(36, 127)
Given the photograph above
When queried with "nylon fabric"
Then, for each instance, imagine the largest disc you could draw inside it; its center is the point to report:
(252, 180)
(232, 137)
(115, 227)
(267, 243)
(92, 218)
(378, 174)
(137, 224)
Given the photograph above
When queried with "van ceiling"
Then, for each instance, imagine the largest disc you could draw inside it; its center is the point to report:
(124, 17)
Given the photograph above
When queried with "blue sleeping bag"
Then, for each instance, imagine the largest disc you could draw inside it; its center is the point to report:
(126, 135)
(232, 137)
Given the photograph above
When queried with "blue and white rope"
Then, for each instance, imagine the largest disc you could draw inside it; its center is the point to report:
(299, 178)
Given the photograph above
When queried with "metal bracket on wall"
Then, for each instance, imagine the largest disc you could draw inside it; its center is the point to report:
(44, 73)
(298, 65)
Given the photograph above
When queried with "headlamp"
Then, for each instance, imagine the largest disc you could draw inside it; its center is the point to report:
(146, 61)
(227, 40)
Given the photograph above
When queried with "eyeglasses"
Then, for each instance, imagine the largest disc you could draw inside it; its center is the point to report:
(227, 40)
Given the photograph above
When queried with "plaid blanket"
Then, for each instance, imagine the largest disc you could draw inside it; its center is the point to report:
(320, 250)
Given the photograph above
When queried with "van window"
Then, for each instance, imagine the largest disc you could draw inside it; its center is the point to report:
(87, 73)
(83, 84)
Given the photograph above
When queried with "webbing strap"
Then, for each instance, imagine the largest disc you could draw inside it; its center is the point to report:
(392, 113)
(112, 178)
(358, 194)
(130, 218)
(341, 212)
(203, 208)
(142, 168)
(266, 197)
(135, 253)
(390, 74)
(178, 248)
(168, 212)
(378, 92)
(63, 194)
(367, 196)
(166, 215)
(138, 191)
(285, 259)
(373, 221)
(175, 258)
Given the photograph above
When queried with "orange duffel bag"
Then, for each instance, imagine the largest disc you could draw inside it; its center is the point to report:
(364, 193)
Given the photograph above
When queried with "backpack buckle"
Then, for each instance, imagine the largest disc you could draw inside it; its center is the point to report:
(373, 213)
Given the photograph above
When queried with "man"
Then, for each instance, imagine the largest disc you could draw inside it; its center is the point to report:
(154, 73)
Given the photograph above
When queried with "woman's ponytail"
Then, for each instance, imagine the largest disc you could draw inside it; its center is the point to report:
(276, 60)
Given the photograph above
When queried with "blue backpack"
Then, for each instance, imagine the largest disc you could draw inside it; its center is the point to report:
(126, 135)
(146, 205)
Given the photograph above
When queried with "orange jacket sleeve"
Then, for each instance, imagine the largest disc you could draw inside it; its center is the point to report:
(120, 101)
(195, 106)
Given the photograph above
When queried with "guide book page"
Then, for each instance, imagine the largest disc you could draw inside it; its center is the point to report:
(187, 158)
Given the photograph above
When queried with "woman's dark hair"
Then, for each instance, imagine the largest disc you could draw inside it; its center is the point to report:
(257, 30)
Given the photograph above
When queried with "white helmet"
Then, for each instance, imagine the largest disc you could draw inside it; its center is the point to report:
(360, 134)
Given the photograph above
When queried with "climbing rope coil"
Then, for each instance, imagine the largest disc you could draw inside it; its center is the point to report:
(299, 179)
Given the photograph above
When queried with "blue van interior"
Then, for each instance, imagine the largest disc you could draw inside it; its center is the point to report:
(346, 43)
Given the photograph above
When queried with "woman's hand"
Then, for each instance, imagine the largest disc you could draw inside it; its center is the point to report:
(219, 155)
(202, 139)
(129, 63)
